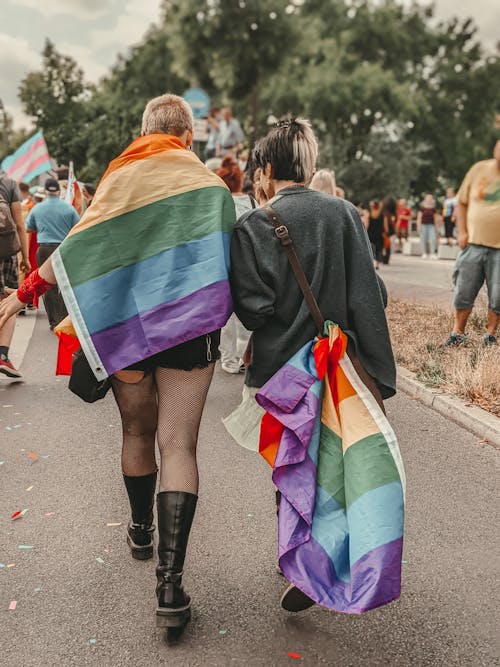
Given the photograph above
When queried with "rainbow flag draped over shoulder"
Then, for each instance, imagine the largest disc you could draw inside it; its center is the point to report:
(146, 268)
(337, 464)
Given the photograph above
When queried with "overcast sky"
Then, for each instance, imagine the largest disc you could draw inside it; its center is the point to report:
(95, 31)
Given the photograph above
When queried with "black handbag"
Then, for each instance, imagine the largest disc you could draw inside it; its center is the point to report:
(84, 383)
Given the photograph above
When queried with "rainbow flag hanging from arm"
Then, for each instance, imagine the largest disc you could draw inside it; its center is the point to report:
(30, 160)
(146, 268)
(337, 464)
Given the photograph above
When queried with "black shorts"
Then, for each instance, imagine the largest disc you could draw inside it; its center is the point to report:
(196, 353)
(448, 227)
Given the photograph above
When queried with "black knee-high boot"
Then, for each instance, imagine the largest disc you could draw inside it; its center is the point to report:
(175, 516)
(141, 493)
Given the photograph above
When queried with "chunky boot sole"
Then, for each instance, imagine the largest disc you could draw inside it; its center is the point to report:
(175, 617)
(140, 552)
(293, 599)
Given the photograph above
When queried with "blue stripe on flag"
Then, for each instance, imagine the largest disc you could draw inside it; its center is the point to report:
(375, 518)
(195, 265)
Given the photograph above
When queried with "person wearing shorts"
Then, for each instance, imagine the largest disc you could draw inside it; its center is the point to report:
(478, 218)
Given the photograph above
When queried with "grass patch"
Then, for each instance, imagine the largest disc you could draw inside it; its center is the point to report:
(418, 332)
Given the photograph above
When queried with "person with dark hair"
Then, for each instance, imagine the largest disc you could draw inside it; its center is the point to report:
(389, 210)
(427, 221)
(376, 230)
(332, 247)
(331, 243)
(88, 192)
(52, 220)
(402, 223)
(11, 218)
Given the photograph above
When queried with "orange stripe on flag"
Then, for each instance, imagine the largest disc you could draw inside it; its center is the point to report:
(144, 147)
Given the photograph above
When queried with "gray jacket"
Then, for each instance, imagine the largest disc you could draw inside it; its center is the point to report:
(334, 251)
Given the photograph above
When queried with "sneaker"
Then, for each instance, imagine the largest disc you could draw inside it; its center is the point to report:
(434, 257)
(424, 256)
(489, 340)
(6, 368)
(456, 340)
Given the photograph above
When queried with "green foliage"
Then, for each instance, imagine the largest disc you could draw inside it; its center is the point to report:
(400, 103)
(55, 97)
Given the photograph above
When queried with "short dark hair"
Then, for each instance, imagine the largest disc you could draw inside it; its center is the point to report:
(291, 149)
(24, 187)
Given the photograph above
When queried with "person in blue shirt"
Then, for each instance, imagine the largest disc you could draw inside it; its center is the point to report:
(52, 220)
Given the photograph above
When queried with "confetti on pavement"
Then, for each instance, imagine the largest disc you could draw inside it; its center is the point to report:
(18, 515)
(32, 456)
(100, 560)
(93, 641)
(24, 547)
(2, 566)
(13, 605)
(118, 523)
(49, 513)
(36, 590)
(295, 656)
(11, 565)
(222, 632)
(29, 488)
(404, 562)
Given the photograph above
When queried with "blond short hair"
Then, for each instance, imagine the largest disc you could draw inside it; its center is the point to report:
(167, 114)
(324, 181)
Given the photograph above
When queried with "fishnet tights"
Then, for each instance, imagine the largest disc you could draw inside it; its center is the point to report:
(168, 406)
(181, 399)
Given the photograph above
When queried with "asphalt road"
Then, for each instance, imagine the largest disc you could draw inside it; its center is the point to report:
(75, 610)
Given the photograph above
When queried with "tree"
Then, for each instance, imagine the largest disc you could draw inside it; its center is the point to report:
(114, 112)
(233, 47)
(55, 97)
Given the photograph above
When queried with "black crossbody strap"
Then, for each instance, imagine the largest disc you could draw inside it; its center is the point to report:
(282, 234)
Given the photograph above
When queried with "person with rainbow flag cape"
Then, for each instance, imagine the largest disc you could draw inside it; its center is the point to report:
(145, 278)
(314, 389)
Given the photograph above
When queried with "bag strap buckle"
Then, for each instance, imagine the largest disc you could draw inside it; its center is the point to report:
(282, 232)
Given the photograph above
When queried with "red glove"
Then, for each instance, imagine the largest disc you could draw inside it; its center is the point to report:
(33, 285)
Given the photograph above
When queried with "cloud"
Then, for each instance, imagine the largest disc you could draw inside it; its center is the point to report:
(83, 9)
(17, 59)
(134, 19)
(85, 58)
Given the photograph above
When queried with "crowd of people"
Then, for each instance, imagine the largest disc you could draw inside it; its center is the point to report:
(161, 381)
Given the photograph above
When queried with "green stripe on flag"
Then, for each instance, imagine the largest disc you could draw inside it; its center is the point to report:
(331, 465)
(146, 231)
(368, 464)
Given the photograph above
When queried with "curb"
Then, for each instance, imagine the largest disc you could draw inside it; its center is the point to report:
(476, 420)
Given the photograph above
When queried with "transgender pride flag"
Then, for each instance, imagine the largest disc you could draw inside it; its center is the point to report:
(30, 160)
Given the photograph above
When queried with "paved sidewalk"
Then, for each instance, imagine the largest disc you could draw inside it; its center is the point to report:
(447, 615)
(417, 279)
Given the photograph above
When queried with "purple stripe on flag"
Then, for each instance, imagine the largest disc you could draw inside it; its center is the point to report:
(166, 325)
(375, 578)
